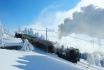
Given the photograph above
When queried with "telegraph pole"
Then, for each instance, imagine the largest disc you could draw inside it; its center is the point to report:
(46, 37)
(46, 41)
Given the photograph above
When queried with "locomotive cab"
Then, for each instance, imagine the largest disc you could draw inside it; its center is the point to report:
(18, 35)
(73, 55)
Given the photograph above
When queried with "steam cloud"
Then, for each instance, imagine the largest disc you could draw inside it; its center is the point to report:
(90, 21)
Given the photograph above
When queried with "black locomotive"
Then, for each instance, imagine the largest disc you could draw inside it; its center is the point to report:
(70, 54)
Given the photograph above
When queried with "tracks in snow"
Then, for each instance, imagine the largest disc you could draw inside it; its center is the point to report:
(85, 66)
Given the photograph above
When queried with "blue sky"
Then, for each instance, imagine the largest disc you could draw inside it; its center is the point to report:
(14, 13)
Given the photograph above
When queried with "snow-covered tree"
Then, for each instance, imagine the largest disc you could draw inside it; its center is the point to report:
(25, 31)
(31, 32)
(28, 31)
(6, 31)
(97, 61)
(1, 30)
(1, 42)
(42, 37)
(1, 35)
(84, 56)
(102, 63)
(37, 34)
(95, 58)
(27, 46)
(90, 59)
(19, 29)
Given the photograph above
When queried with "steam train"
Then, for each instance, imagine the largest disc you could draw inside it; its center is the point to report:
(70, 54)
(38, 42)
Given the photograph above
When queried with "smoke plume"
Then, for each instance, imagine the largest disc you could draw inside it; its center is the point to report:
(89, 21)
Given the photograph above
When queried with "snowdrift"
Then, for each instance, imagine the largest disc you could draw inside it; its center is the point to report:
(37, 60)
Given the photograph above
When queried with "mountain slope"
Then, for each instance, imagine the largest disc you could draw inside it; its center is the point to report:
(37, 60)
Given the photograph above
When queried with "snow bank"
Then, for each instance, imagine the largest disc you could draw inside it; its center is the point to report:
(18, 60)
(12, 42)
(27, 46)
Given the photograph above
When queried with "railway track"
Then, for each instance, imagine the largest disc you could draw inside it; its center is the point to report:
(86, 67)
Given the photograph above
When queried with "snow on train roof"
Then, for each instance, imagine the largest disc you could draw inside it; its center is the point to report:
(37, 39)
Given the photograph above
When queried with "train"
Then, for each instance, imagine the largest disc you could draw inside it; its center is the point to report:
(71, 54)
(37, 42)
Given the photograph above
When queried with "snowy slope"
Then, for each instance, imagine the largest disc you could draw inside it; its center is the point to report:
(36, 60)
(88, 66)
(93, 47)
(12, 41)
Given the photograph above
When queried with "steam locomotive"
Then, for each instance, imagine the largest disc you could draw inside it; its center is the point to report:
(70, 54)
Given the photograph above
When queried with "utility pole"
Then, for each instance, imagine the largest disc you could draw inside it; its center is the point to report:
(50, 30)
(46, 41)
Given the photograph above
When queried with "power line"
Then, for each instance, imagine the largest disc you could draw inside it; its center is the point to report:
(35, 29)
(39, 30)
(53, 36)
(58, 37)
(75, 38)
(79, 38)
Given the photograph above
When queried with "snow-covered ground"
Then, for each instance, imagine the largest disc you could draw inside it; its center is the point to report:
(12, 42)
(39, 60)
(36, 60)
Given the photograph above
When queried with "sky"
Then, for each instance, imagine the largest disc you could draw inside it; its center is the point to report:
(14, 13)
(59, 15)
(82, 17)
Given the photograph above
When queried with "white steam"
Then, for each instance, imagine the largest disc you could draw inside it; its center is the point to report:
(89, 22)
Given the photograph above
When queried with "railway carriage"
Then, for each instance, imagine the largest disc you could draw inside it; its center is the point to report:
(38, 42)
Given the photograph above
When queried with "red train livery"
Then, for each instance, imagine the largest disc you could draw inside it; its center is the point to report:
(38, 42)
